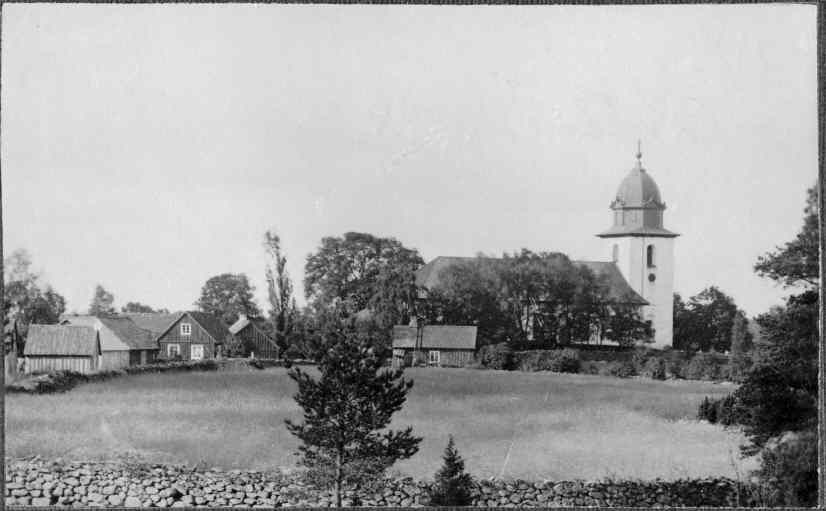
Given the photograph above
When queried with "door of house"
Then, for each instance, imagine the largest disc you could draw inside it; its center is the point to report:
(197, 352)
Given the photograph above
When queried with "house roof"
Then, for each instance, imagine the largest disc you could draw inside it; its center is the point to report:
(155, 322)
(214, 326)
(243, 322)
(436, 336)
(128, 332)
(66, 340)
(618, 288)
(117, 332)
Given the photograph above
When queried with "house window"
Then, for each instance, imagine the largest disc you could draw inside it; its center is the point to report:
(433, 357)
(650, 256)
(186, 329)
(173, 350)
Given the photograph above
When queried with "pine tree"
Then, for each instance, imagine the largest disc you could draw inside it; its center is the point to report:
(452, 485)
(347, 410)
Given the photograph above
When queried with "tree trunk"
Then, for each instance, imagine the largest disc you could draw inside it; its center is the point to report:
(337, 489)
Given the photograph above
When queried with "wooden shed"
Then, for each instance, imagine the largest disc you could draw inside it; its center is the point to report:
(123, 343)
(254, 338)
(62, 348)
(434, 345)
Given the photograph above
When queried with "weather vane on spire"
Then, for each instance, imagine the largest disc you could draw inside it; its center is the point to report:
(639, 149)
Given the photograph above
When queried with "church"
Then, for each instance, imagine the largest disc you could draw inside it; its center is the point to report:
(640, 268)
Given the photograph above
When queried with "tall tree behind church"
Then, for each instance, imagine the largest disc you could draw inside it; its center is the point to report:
(227, 296)
(363, 272)
(283, 310)
(26, 298)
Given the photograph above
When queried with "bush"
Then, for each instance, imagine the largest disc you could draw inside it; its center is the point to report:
(654, 368)
(788, 470)
(496, 356)
(707, 411)
(451, 486)
(590, 367)
(704, 366)
(558, 361)
(619, 369)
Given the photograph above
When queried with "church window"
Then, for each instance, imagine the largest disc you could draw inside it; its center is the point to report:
(615, 253)
(650, 256)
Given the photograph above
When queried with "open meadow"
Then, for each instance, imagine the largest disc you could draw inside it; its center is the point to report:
(506, 424)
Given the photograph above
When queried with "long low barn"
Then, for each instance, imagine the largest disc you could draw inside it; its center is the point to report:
(440, 345)
(62, 348)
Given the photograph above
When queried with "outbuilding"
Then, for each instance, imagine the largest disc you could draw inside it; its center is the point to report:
(434, 345)
(62, 348)
(252, 334)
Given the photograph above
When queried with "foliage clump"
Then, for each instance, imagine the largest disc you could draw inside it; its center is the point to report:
(558, 361)
(452, 486)
(496, 356)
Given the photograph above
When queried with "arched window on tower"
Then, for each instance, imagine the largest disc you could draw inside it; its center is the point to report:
(615, 253)
(650, 256)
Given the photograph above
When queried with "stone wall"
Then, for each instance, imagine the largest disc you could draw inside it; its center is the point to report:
(35, 482)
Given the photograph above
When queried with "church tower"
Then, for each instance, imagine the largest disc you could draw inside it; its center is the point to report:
(643, 249)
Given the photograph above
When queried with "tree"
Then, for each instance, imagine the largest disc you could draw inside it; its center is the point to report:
(101, 301)
(779, 394)
(347, 410)
(452, 485)
(279, 291)
(705, 322)
(796, 263)
(227, 296)
(364, 272)
(25, 300)
(138, 307)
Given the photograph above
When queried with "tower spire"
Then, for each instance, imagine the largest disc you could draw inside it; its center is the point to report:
(639, 154)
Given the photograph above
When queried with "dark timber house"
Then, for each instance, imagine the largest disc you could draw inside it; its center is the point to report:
(62, 348)
(252, 334)
(193, 335)
(434, 345)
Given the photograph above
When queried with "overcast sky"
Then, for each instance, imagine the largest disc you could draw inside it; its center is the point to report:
(148, 147)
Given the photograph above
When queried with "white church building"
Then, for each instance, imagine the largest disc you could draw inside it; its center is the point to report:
(643, 249)
(640, 271)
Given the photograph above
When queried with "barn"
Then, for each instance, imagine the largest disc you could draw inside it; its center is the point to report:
(251, 333)
(434, 345)
(62, 347)
(122, 342)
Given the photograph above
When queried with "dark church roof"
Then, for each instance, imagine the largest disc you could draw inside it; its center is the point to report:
(619, 290)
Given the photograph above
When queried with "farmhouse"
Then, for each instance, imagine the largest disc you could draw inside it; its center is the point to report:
(122, 342)
(193, 335)
(435, 345)
(252, 334)
(641, 269)
(62, 347)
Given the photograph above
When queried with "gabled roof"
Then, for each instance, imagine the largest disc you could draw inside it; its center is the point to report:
(436, 337)
(62, 340)
(618, 288)
(117, 332)
(213, 326)
(128, 332)
(155, 322)
(243, 322)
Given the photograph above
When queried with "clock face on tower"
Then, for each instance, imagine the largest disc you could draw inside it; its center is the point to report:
(651, 277)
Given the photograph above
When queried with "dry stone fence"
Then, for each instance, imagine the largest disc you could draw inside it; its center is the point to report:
(37, 482)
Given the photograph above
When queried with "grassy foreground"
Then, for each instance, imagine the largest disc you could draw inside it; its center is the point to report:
(506, 424)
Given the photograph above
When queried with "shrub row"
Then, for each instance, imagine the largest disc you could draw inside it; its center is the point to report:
(649, 363)
(61, 381)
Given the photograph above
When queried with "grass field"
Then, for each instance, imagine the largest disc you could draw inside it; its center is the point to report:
(506, 424)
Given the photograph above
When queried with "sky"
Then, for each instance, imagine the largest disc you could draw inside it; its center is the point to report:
(149, 147)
